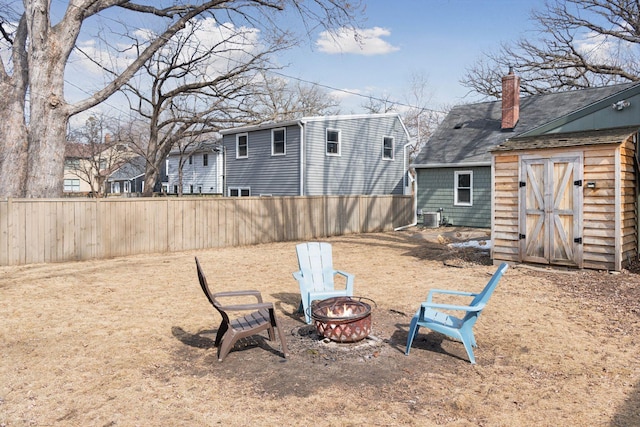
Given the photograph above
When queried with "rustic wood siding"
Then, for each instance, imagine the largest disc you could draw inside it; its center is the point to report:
(609, 211)
(41, 230)
(629, 211)
(599, 207)
(505, 207)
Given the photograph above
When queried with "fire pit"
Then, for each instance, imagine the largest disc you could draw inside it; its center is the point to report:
(342, 319)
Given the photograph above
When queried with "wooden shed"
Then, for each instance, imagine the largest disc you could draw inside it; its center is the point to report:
(568, 199)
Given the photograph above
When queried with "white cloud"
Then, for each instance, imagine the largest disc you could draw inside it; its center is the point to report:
(363, 42)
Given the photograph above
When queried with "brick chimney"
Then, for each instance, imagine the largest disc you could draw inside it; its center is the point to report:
(510, 100)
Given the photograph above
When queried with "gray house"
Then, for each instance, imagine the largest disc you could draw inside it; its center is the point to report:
(453, 170)
(128, 178)
(202, 169)
(332, 155)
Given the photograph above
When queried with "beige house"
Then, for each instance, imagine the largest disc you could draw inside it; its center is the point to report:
(87, 166)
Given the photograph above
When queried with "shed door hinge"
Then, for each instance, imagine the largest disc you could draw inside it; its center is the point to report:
(578, 240)
(522, 236)
(523, 184)
(578, 183)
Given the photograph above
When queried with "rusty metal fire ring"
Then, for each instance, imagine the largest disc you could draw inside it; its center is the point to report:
(342, 319)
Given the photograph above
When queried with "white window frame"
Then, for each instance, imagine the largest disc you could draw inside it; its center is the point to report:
(239, 190)
(238, 136)
(456, 201)
(115, 187)
(393, 147)
(205, 159)
(339, 142)
(127, 187)
(284, 142)
(72, 185)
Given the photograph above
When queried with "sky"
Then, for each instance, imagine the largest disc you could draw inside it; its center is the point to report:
(435, 39)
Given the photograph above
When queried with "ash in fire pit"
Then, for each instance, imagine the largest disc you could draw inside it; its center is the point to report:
(342, 319)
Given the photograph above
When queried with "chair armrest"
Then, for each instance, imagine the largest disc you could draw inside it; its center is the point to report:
(350, 277)
(432, 292)
(231, 294)
(247, 307)
(467, 308)
(297, 275)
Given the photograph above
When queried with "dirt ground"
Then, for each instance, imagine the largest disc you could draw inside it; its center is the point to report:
(129, 341)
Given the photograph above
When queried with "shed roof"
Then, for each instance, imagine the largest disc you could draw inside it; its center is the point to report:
(569, 139)
(470, 130)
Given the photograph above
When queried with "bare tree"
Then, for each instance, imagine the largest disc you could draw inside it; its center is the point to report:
(581, 43)
(379, 105)
(102, 150)
(281, 99)
(34, 119)
(200, 82)
(420, 120)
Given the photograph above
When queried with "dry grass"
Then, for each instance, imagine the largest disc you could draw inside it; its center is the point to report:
(128, 341)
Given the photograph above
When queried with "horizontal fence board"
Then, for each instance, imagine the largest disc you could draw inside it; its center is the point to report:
(58, 230)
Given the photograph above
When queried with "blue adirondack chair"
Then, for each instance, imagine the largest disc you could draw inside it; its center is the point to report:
(454, 327)
(316, 276)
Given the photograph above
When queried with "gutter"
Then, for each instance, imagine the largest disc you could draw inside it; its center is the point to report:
(301, 126)
(414, 196)
(450, 165)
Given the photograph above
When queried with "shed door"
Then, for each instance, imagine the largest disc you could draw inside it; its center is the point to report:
(551, 203)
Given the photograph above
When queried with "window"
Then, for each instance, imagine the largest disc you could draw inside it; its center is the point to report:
(242, 146)
(72, 163)
(175, 189)
(205, 159)
(463, 188)
(71, 185)
(190, 160)
(127, 187)
(239, 192)
(333, 142)
(387, 148)
(278, 144)
(115, 187)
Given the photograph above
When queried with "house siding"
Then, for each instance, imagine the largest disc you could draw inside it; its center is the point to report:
(207, 178)
(436, 191)
(263, 173)
(360, 168)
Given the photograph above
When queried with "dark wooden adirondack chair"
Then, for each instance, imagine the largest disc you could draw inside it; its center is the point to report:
(262, 317)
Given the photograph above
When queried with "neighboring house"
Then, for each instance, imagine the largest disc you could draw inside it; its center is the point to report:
(129, 178)
(453, 170)
(311, 156)
(77, 159)
(86, 166)
(202, 169)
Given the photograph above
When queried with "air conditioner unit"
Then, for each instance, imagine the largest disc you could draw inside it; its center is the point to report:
(431, 219)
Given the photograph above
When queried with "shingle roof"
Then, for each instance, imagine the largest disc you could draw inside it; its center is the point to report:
(468, 131)
(569, 139)
(132, 169)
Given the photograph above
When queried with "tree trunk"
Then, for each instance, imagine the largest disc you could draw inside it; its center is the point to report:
(13, 147)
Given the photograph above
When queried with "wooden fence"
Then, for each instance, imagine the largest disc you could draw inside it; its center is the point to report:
(57, 230)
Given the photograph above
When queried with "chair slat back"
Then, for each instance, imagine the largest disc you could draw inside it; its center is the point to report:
(203, 283)
(316, 264)
(483, 297)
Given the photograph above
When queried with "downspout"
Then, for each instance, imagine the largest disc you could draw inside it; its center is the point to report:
(414, 194)
(300, 124)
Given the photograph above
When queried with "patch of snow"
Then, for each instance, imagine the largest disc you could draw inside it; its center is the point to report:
(478, 244)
